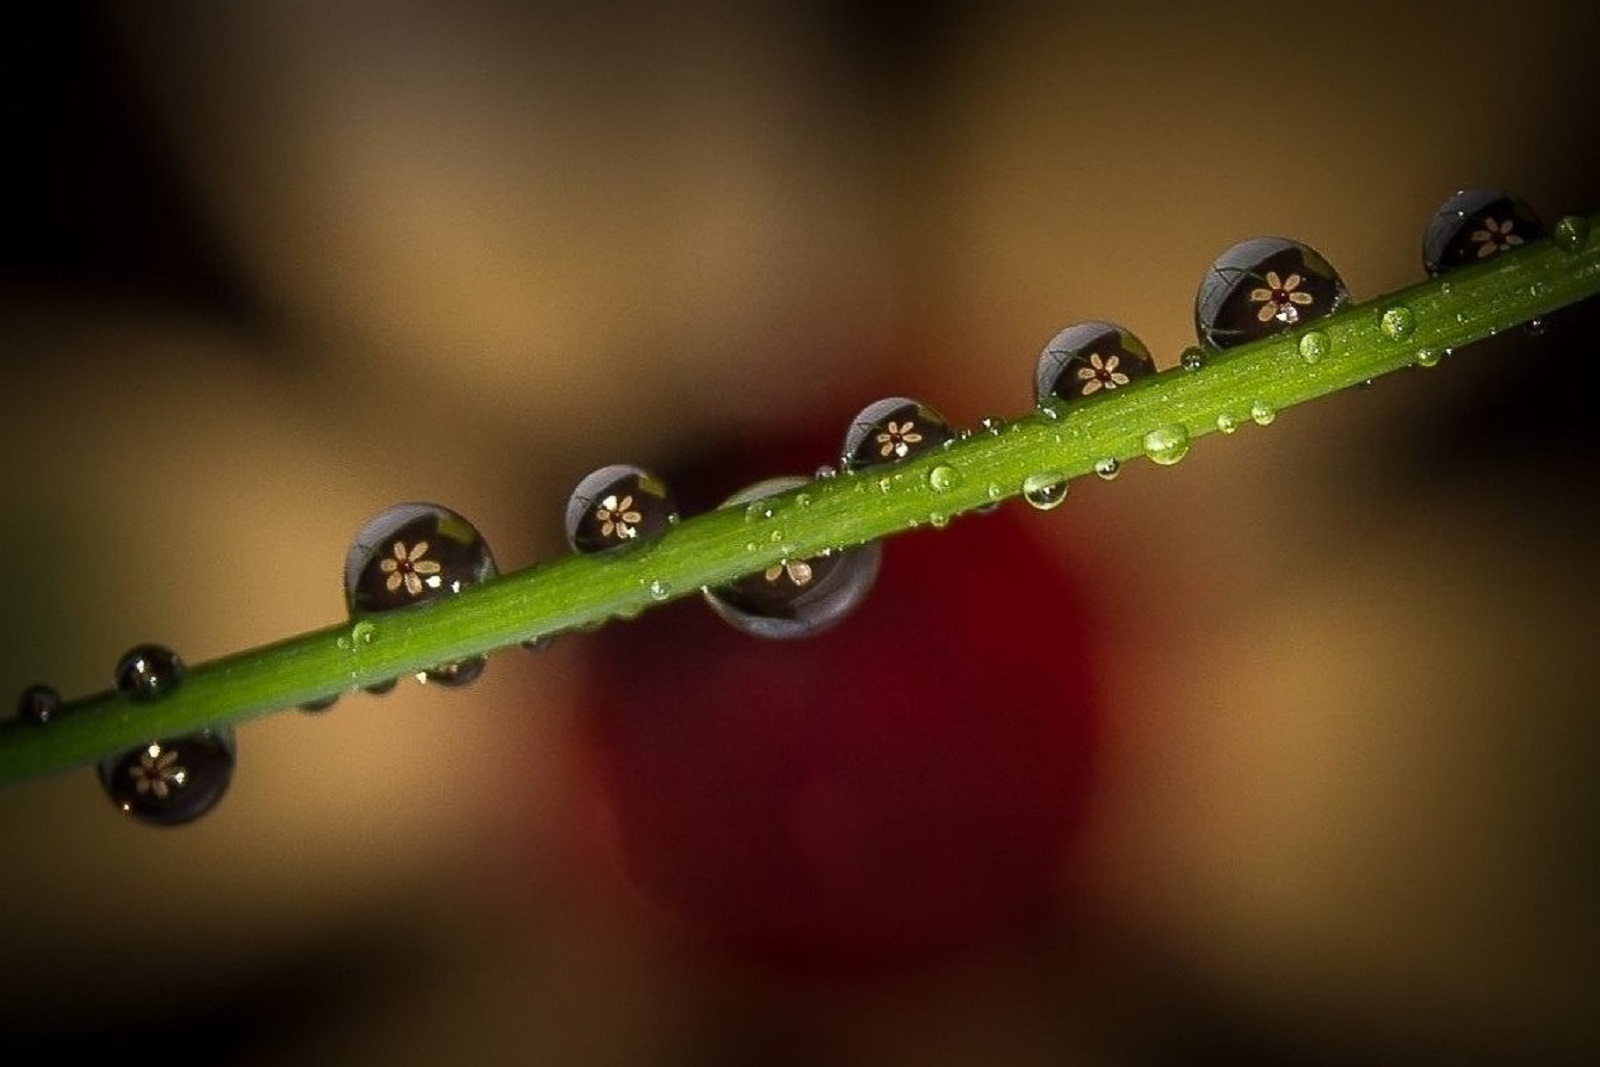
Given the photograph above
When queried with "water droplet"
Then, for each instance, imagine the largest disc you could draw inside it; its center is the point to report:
(1261, 287)
(454, 675)
(1166, 445)
(1534, 327)
(1398, 323)
(1571, 232)
(938, 520)
(893, 429)
(774, 537)
(943, 479)
(617, 506)
(1107, 469)
(1049, 408)
(885, 484)
(1475, 225)
(148, 672)
(1428, 357)
(1192, 359)
(1314, 345)
(538, 644)
(825, 472)
(802, 500)
(795, 597)
(1045, 490)
(38, 704)
(1089, 358)
(1262, 413)
(320, 704)
(411, 554)
(659, 590)
(758, 511)
(992, 425)
(1227, 423)
(362, 633)
(173, 780)
(993, 491)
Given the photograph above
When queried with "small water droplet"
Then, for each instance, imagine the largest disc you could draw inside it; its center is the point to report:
(1398, 322)
(1192, 359)
(538, 644)
(411, 554)
(1049, 408)
(362, 633)
(148, 672)
(1262, 287)
(38, 704)
(1534, 327)
(1227, 423)
(826, 471)
(618, 506)
(1107, 469)
(1427, 357)
(1571, 232)
(993, 491)
(938, 520)
(1087, 359)
(1262, 413)
(795, 597)
(1314, 345)
(992, 425)
(321, 704)
(659, 590)
(1045, 490)
(942, 479)
(802, 500)
(173, 780)
(758, 511)
(774, 537)
(1167, 445)
(885, 484)
(892, 429)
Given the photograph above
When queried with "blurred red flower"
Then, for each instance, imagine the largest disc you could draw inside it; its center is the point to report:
(893, 790)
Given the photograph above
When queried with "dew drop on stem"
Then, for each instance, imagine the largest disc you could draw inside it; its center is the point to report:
(616, 507)
(1088, 359)
(170, 781)
(1263, 287)
(1474, 226)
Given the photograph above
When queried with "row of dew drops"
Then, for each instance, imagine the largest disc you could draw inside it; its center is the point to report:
(416, 552)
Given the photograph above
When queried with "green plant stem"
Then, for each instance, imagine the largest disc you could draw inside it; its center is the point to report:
(1066, 440)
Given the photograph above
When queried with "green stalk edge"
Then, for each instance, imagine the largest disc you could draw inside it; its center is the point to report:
(576, 591)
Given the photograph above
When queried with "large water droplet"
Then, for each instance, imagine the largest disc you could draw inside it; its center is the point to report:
(38, 704)
(1089, 358)
(413, 553)
(893, 429)
(1262, 413)
(1398, 323)
(1314, 345)
(1107, 469)
(173, 780)
(1045, 490)
(942, 479)
(1166, 445)
(795, 597)
(1475, 225)
(617, 506)
(1261, 287)
(1571, 232)
(148, 672)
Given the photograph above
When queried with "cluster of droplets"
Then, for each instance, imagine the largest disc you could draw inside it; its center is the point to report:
(414, 553)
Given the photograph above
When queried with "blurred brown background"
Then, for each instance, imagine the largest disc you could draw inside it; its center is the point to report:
(271, 267)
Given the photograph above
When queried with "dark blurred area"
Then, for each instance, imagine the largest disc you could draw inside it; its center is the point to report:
(266, 269)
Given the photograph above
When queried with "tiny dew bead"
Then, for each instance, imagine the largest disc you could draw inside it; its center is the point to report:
(148, 672)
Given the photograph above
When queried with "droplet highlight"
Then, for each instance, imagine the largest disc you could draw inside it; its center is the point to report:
(1263, 287)
(795, 597)
(618, 506)
(1087, 359)
(171, 781)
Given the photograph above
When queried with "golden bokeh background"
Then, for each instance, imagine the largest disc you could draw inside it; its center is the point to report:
(285, 264)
